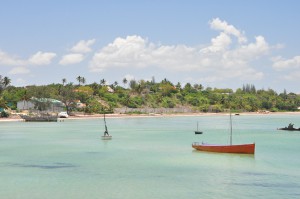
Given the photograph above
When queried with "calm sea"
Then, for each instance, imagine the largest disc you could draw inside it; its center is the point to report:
(149, 158)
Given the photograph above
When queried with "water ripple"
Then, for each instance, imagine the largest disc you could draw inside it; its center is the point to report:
(43, 166)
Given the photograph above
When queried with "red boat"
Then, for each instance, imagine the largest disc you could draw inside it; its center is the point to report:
(241, 148)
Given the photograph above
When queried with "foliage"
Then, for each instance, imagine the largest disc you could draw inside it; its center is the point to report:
(143, 94)
(68, 96)
(41, 104)
(4, 114)
(93, 106)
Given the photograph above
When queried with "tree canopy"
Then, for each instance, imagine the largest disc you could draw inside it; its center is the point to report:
(148, 94)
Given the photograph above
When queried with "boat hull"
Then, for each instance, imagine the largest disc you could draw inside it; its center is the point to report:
(289, 129)
(106, 137)
(242, 148)
(39, 118)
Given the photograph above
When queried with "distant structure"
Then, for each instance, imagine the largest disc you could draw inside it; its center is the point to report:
(54, 105)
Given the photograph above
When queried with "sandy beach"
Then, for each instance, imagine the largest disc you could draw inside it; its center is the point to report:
(16, 118)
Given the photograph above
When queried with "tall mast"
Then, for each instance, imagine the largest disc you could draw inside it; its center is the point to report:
(230, 128)
(105, 123)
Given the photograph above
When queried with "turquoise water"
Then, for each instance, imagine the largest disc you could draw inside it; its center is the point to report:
(149, 158)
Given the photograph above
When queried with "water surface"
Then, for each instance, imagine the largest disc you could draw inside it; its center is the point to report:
(148, 158)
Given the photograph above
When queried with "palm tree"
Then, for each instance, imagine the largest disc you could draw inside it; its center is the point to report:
(83, 80)
(125, 81)
(115, 84)
(79, 79)
(102, 82)
(6, 81)
(64, 80)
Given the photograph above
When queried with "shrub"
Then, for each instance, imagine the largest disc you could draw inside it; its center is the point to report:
(4, 114)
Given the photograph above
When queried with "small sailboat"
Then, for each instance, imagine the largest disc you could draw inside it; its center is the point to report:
(240, 148)
(106, 135)
(198, 132)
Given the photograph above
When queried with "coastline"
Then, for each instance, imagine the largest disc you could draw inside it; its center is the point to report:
(16, 118)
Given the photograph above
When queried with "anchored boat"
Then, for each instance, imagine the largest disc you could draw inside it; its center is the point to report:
(239, 148)
(39, 118)
(197, 131)
(106, 135)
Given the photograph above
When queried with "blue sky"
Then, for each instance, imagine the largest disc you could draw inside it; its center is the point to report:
(222, 44)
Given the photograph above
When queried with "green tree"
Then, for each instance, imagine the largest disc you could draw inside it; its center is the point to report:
(64, 80)
(93, 106)
(68, 97)
(133, 84)
(6, 81)
(3, 103)
(125, 81)
(103, 82)
(83, 80)
(79, 79)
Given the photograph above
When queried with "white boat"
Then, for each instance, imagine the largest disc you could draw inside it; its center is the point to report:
(106, 137)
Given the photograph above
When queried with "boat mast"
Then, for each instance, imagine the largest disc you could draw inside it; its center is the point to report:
(105, 124)
(230, 128)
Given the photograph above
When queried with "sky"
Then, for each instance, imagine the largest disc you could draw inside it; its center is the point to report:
(215, 43)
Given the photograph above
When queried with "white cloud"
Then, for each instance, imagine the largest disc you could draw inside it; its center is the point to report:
(246, 53)
(220, 43)
(217, 24)
(281, 64)
(41, 58)
(19, 70)
(71, 59)
(83, 46)
(228, 56)
(78, 50)
(123, 52)
(6, 59)
(220, 59)
(294, 76)
(134, 51)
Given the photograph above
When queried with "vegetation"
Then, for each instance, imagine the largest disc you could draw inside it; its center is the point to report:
(100, 97)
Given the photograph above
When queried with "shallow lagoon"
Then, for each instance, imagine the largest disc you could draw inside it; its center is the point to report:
(148, 158)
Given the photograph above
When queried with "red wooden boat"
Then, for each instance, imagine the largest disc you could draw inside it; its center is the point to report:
(239, 148)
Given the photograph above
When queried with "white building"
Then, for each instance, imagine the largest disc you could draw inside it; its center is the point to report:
(55, 105)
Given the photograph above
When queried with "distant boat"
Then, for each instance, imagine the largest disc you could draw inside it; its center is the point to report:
(106, 135)
(40, 118)
(289, 128)
(240, 148)
(198, 132)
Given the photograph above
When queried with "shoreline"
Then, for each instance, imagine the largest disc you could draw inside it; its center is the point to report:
(118, 115)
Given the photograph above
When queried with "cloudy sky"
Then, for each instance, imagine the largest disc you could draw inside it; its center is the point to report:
(216, 43)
